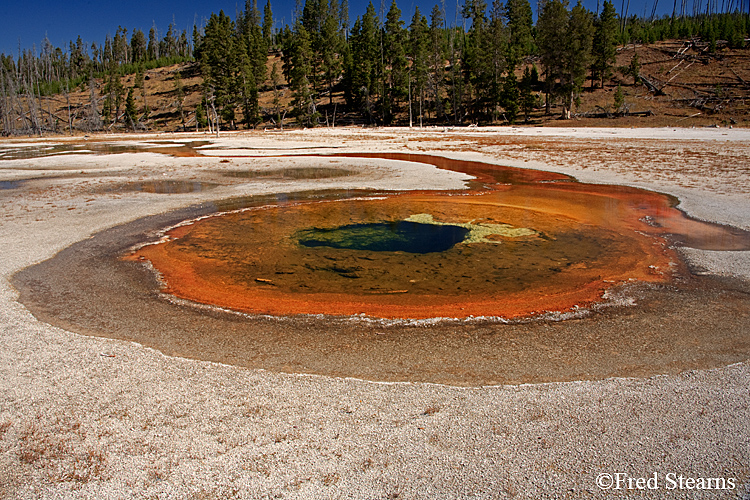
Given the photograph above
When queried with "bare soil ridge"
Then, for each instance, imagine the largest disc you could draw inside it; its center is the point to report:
(682, 86)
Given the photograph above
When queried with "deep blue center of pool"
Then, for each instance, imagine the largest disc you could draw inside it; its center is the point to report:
(397, 236)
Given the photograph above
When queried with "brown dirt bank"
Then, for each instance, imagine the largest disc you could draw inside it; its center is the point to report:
(695, 322)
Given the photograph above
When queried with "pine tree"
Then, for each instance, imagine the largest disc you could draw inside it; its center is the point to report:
(152, 50)
(115, 92)
(168, 47)
(577, 56)
(120, 46)
(183, 46)
(301, 69)
(437, 58)
(634, 68)
(131, 113)
(605, 44)
(509, 98)
(419, 46)
(475, 52)
(552, 23)
(518, 16)
(344, 18)
(396, 77)
(200, 116)
(252, 57)
(619, 99)
(363, 68)
(220, 65)
(268, 24)
(140, 83)
(496, 63)
(331, 46)
(313, 18)
(246, 84)
(138, 46)
(197, 35)
(526, 97)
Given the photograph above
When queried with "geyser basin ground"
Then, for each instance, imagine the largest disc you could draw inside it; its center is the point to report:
(596, 237)
(143, 424)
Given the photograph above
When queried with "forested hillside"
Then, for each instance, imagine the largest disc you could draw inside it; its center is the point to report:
(495, 66)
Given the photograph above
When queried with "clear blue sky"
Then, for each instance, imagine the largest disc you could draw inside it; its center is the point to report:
(62, 21)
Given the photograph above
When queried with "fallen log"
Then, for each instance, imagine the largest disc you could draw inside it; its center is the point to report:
(606, 114)
(742, 80)
(650, 85)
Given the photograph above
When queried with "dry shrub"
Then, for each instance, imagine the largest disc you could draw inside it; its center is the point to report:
(58, 447)
(331, 478)
(431, 410)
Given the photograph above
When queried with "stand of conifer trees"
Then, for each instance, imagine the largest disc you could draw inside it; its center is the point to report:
(378, 70)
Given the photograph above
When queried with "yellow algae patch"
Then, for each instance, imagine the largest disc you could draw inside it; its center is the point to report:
(478, 233)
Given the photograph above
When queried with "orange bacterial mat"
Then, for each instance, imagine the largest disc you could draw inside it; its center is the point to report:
(528, 242)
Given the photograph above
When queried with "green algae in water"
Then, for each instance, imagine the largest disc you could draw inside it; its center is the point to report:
(395, 236)
(419, 233)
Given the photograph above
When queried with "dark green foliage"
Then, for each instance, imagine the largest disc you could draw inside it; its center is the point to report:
(634, 68)
(217, 56)
(322, 22)
(387, 73)
(131, 113)
(579, 42)
(619, 99)
(152, 50)
(527, 100)
(419, 49)
(114, 93)
(552, 23)
(497, 50)
(138, 46)
(534, 76)
(200, 115)
(252, 48)
(364, 65)
(518, 17)
(120, 46)
(276, 83)
(233, 59)
(395, 64)
(299, 77)
(476, 68)
(510, 97)
(605, 44)
(565, 42)
(268, 24)
(437, 56)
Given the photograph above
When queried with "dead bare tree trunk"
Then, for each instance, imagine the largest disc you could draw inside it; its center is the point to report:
(216, 116)
(67, 100)
(14, 108)
(94, 120)
(4, 114)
